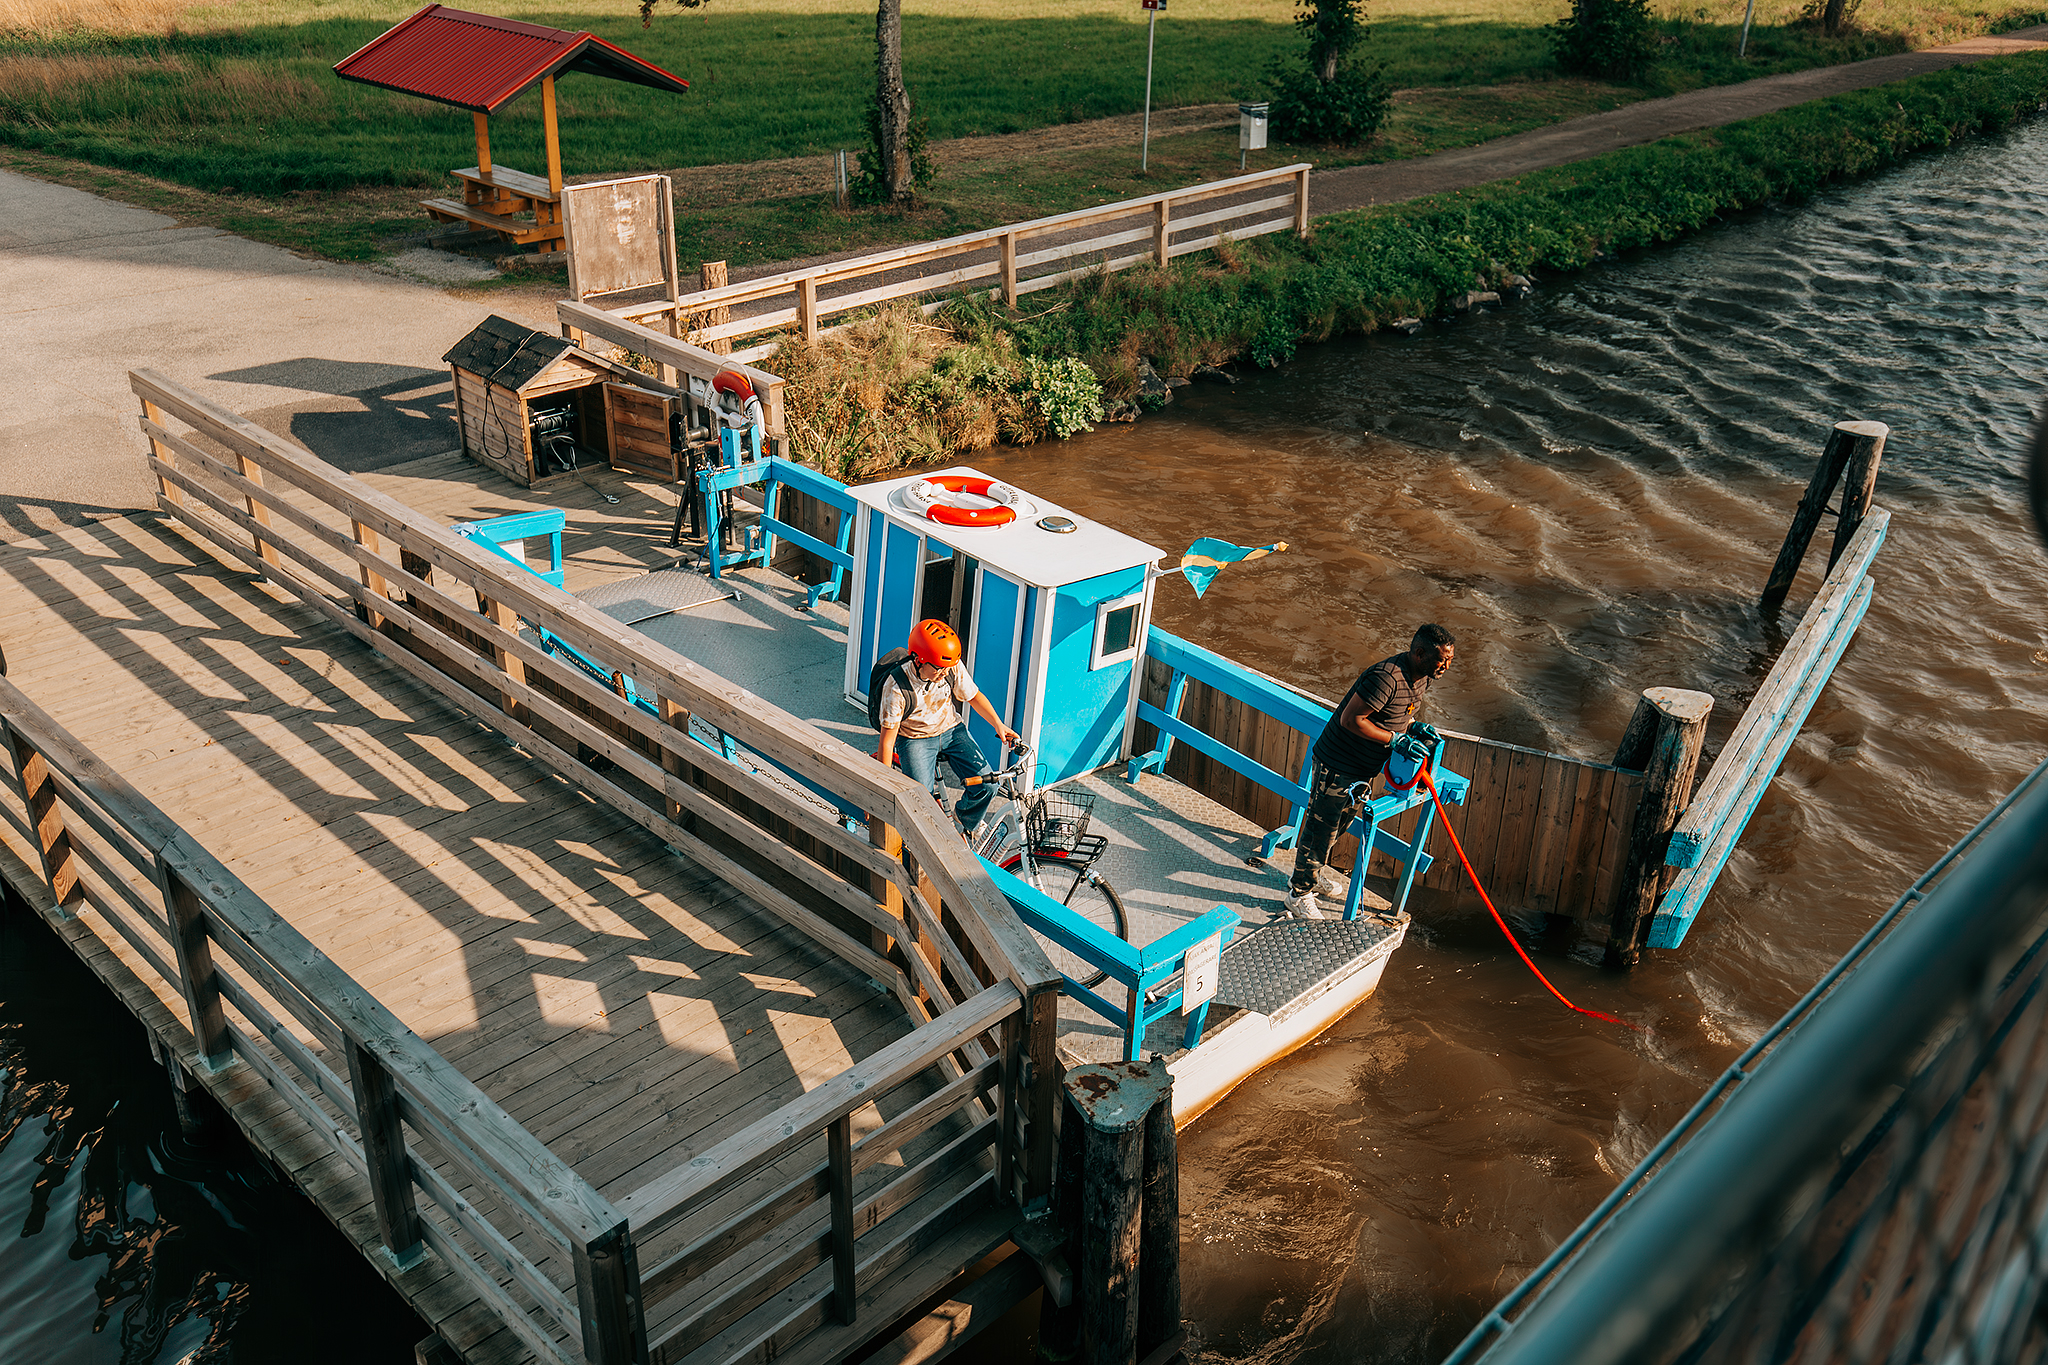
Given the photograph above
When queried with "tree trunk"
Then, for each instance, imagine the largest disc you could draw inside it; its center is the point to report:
(1831, 17)
(892, 101)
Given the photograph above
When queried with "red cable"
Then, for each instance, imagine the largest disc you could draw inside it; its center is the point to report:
(1422, 774)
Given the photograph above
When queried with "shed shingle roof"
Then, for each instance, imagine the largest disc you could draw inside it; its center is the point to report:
(480, 62)
(506, 353)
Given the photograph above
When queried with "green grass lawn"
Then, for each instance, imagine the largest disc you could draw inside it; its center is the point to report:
(241, 95)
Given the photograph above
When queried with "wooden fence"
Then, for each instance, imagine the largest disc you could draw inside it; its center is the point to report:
(1547, 834)
(1162, 223)
(906, 906)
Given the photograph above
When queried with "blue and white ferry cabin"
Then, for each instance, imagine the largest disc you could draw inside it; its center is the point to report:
(1054, 611)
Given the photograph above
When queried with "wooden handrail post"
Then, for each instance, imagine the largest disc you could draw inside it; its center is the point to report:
(807, 308)
(1162, 230)
(1041, 1083)
(887, 838)
(37, 788)
(1663, 738)
(1859, 483)
(675, 714)
(608, 1298)
(1010, 1103)
(712, 275)
(845, 1287)
(1009, 248)
(398, 1219)
(195, 967)
(513, 667)
(1861, 442)
(258, 513)
(165, 489)
(1301, 202)
(366, 537)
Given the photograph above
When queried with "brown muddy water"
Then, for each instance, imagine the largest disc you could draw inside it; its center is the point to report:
(1588, 489)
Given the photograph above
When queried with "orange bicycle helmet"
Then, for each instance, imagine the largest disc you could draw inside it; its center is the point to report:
(935, 642)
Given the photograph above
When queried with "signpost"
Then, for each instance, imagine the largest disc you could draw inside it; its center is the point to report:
(1199, 971)
(1151, 27)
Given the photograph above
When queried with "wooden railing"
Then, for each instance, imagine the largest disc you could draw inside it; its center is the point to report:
(471, 1184)
(907, 906)
(1547, 833)
(803, 299)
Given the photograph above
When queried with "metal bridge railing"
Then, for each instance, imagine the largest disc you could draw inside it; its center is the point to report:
(1873, 1184)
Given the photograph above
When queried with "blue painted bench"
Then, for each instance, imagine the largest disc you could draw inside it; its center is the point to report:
(776, 473)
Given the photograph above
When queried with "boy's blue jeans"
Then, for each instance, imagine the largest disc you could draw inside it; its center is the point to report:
(921, 761)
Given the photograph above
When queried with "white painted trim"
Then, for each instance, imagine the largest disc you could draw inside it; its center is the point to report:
(1137, 674)
(1097, 660)
(856, 681)
(1041, 646)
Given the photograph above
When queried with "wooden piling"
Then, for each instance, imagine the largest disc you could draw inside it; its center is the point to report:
(1119, 1192)
(1663, 738)
(1852, 446)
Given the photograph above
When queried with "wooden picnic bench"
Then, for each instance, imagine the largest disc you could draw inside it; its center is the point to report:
(493, 195)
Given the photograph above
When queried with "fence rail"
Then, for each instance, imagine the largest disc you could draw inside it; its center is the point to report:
(447, 1168)
(803, 299)
(907, 905)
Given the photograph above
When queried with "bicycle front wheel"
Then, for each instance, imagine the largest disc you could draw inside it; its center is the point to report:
(1095, 901)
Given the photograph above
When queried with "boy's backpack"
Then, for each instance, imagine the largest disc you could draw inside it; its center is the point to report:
(896, 661)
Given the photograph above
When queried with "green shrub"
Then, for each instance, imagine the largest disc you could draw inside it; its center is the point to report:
(1346, 109)
(1612, 39)
(1066, 392)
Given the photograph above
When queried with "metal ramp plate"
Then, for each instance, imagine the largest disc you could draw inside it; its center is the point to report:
(1278, 967)
(646, 596)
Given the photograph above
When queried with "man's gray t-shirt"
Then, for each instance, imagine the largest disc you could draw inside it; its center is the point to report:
(1391, 700)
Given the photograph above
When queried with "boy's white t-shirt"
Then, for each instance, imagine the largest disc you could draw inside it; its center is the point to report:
(931, 708)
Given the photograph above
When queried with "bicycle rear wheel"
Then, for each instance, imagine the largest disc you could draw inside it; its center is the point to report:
(1095, 901)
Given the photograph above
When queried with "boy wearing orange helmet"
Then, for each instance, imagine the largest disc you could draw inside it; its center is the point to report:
(922, 724)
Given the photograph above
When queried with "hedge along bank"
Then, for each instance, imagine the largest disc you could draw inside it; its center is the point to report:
(1359, 271)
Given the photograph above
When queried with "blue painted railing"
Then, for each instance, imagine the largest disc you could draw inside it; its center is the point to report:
(776, 474)
(1290, 708)
(500, 534)
(1720, 810)
(1139, 971)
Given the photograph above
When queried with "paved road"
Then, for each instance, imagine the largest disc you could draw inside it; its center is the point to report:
(343, 358)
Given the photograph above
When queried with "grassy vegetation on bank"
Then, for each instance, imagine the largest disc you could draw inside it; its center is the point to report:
(239, 97)
(893, 394)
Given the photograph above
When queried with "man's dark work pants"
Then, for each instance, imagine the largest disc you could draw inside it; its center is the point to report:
(1328, 809)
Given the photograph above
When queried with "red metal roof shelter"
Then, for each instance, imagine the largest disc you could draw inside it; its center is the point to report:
(480, 62)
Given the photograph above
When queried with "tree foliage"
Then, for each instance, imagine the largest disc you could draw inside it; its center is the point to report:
(1333, 96)
(1611, 39)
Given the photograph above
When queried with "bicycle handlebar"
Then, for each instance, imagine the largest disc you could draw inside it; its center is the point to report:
(1023, 751)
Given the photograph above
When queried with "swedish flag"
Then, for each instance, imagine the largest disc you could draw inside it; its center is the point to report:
(1207, 556)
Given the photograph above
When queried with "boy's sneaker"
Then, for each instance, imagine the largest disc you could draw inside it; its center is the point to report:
(1303, 906)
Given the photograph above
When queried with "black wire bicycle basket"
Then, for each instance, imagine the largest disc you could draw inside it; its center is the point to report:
(1058, 822)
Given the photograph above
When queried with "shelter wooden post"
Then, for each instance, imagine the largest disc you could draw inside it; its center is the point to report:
(712, 275)
(398, 1219)
(1856, 446)
(483, 141)
(1663, 738)
(549, 131)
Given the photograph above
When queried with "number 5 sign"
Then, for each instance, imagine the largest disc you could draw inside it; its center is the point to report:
(1198, 973)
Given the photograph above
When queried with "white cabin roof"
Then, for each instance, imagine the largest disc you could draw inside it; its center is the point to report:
(1021, 549)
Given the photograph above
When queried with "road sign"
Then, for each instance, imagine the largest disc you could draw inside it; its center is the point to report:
(1152, 4)
(1199, 971)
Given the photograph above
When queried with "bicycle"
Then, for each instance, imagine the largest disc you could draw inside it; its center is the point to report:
(1042, 832)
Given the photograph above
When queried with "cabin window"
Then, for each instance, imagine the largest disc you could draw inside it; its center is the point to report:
(1116, 631)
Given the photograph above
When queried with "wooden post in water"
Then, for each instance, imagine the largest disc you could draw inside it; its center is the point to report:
(1663, 739)
(1116, 1146)
(1853, 446)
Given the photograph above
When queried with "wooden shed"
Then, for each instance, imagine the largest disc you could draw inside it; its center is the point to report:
(534, 406)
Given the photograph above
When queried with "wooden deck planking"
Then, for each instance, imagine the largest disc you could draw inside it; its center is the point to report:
(364, 761)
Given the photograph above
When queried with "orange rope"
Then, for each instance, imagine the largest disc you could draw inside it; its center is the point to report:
(1422, 773)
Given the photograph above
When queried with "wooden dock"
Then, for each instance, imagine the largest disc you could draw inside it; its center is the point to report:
(578, 1097)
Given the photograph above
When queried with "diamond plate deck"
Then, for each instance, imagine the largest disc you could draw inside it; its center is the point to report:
(1280, 967)
(643, 597)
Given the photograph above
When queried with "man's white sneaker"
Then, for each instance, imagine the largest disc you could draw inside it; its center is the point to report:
(1304, 906)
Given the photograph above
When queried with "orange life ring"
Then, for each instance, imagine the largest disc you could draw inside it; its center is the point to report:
(736, 386)
(948, 515)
